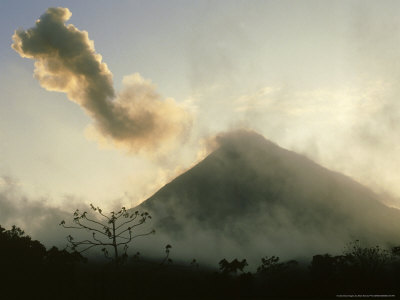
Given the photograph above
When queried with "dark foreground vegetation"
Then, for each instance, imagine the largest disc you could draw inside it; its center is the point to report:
(30, 271)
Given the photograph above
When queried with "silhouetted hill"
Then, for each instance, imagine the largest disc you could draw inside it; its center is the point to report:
(251, 196)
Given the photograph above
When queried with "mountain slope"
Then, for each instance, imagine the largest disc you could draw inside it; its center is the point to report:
(258, 198)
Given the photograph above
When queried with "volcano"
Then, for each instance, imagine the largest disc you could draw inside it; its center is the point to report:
(252, 198)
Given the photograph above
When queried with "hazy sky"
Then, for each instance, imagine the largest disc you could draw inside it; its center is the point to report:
(317, 77)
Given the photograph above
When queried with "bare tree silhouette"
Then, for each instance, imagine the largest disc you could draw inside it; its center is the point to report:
(113, 230)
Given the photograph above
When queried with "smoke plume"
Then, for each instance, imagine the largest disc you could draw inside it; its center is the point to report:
(65, 61)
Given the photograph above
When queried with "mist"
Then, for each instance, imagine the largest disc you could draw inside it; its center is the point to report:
(251, 198)
(313, 84)
(39, 218)
(327, 90)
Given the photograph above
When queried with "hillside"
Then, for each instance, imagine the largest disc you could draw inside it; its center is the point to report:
(251, 197)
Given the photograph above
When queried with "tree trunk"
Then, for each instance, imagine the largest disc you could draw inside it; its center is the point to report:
(115, 244)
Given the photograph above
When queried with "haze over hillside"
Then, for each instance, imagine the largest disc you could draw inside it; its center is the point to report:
(251, 198)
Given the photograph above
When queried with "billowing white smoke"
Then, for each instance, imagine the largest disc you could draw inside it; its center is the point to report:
(66, 61)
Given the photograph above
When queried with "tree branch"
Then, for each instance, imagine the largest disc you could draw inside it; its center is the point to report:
(114, 238)
(143, 234)
(93, 229)
(126, 222)
(100, 212)
(102, 225)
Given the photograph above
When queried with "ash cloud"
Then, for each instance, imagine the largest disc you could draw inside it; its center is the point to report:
(65, 61)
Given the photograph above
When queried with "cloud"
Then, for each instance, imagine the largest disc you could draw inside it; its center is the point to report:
(35, 216)
(39, 217)
(320, 123)
(65, 61)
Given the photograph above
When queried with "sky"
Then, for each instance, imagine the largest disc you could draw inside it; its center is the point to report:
(317, 77)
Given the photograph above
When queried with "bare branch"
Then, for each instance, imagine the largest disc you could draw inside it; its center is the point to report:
(100, 212)
(93, 229)
(108, 230)
(96, 239)
(126, 222)
(122, 237)
(65, 226)
(87, 248)
(120, 213)
(102, 225)
(138, 235)
(141, 221)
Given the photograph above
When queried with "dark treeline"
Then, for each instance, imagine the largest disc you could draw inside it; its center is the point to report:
(29, 270)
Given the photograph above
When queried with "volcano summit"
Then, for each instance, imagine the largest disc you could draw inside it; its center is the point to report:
(252, 198)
